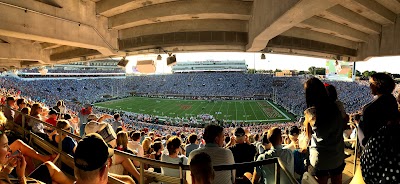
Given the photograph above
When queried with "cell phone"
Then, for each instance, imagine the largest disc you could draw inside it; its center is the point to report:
(16, 153)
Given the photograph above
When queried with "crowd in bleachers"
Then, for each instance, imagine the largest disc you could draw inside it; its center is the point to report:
(317, 142)
(87, 70)
(291, 96)
(297, 145)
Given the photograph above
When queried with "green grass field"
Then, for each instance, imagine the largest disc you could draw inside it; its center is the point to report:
(248, 111)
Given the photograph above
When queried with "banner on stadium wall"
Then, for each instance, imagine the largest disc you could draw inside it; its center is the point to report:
(339, 70)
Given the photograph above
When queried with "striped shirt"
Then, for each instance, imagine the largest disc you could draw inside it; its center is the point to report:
(219, 156)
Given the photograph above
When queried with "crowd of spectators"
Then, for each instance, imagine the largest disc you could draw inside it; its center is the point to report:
(291, 96)
(288, 95)
(87, 70)
(316, 141)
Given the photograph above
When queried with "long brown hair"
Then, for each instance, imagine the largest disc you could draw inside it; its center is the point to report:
(34, 109)
(122, 140)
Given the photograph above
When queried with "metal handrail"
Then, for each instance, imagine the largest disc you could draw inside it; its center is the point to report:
(182, 168)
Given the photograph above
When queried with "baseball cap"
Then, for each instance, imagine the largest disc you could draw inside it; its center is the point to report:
(92, 117)
(53, 111)
(94, 127)
(239, 132)
(105, 130)
(92, 153)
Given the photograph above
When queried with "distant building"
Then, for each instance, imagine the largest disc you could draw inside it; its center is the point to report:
(210, 66)
(286, 73)
(98, 68)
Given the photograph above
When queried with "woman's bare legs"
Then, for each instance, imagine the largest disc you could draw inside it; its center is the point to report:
(26, 150)
(57, 175)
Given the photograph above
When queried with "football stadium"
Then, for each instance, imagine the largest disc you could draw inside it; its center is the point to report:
(232, 110)
(200, 91)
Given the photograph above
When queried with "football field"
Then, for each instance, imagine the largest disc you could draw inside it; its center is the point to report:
(237, 110)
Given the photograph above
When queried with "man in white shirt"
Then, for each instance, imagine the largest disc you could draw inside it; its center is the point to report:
(135, 146)
(267, 172)
(214, 137)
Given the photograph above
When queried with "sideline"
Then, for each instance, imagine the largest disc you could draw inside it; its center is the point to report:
(287, 117)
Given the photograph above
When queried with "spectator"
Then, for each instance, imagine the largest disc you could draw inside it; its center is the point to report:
(193, 144)
(92, 160)
(24, 111)
(135, 146)
(68, 143)
(83, 117)
(147, 147)
(142, 137)
(294, 133)
(63, 108)
(52, 118)
(332, 93)
(243, 151)
(119, 163)
(117, 122)
(58, 105)
(122, 142)
(8, 111)
(47, 172)
(266, 172)
(324, 126)
(202, 170)
(173, 146)
(265, 144)
(37, 126)
(214, 138)
(156, 155)
(21, 103)
(381, 110)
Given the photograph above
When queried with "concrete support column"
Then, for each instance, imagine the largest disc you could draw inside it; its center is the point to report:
(271, 18)
(385, 44)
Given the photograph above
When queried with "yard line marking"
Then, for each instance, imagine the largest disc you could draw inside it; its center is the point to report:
(245, 114)
(211, 109)
(236, 110)
(262, 109)
(287, 117)
(253, 111)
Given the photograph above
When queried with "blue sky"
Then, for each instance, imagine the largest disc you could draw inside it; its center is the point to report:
(272, 61)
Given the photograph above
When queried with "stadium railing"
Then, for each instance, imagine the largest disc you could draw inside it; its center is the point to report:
(36, 141)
